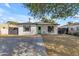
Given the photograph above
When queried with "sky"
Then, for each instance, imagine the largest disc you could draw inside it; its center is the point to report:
(16, 12)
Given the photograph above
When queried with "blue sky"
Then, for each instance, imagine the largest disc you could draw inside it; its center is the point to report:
(16, 12)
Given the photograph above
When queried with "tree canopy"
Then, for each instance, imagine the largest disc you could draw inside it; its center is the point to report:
(46, 20)
(52, 10)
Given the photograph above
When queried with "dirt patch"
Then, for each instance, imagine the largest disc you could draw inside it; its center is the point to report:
(66, 45)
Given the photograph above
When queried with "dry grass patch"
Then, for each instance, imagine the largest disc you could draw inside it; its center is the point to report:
(61, 45)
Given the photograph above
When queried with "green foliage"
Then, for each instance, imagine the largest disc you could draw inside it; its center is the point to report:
(11, 22)
(53, 10)
(46, 20)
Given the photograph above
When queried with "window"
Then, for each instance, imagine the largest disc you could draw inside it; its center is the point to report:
(50, 28)
(72, 29)
(26, 28)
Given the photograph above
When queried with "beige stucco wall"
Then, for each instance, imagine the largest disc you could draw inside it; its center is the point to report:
(3, 29)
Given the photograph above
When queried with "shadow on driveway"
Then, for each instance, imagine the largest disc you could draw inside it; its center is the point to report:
(22, 47)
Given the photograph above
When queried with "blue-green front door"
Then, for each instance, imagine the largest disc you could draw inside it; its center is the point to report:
(39, 30)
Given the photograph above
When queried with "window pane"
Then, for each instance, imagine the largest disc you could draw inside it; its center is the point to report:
(50, 28)
(26, 28)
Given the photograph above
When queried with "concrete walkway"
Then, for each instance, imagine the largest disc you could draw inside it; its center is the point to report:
(22, 47)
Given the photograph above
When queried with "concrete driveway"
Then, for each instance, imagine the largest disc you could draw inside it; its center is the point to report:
(22, 47)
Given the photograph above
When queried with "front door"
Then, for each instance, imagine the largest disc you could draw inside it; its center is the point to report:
(39, 30)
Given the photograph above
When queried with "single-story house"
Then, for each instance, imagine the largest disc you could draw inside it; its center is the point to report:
(37, 28)
(28, 29)
(72, 28)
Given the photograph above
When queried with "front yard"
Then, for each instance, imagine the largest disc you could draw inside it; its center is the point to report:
(59, 45)
(62, 45)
